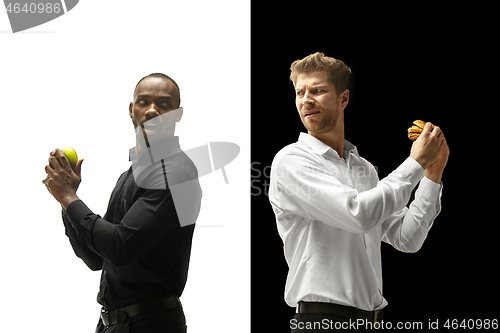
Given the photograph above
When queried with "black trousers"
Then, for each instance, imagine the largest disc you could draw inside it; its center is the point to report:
(171, 321)
(308, 323)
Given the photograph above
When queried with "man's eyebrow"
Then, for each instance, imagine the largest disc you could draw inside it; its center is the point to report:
(315, 85)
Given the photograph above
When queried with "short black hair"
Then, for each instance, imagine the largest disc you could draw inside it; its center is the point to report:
(161, 76)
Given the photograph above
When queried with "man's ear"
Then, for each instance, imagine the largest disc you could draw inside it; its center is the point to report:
(178, 114)
(344, 98)
(130, 108)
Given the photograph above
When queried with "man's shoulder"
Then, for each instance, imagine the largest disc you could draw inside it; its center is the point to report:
(294, 148)
(293, 151)
(123, 175)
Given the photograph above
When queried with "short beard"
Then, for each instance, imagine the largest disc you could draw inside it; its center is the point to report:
(326, 126)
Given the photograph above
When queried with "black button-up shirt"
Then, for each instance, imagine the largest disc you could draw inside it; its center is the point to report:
(143, 243)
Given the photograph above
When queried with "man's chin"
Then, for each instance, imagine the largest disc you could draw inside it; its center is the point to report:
(312, 127)
(155, 136)
(150, 134)
(318, 129)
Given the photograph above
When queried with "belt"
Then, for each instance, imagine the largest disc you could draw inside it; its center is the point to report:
(337, 310)
(118, 316)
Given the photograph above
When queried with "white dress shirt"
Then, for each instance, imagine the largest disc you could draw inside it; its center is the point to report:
(332, 214)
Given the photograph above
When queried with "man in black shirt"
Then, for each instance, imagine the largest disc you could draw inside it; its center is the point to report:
(143, 242)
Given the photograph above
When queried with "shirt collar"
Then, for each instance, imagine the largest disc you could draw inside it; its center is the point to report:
(321, 148)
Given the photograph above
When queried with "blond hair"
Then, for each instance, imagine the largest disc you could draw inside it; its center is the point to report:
(338, 72)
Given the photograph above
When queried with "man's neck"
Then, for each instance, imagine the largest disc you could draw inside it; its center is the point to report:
(333, 139)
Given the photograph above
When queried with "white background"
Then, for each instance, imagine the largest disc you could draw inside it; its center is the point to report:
(69, 82)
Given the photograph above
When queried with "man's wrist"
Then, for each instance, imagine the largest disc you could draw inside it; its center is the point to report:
(435, 177)
(67, 200)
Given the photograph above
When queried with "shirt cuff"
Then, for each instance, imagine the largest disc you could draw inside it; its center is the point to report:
(430, 189)
(81, 218)
(76, 210)
(412, 170)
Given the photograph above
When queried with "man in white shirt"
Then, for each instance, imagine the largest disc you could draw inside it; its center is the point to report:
(332, 211)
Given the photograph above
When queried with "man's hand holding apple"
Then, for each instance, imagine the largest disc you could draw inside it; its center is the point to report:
(62, 181)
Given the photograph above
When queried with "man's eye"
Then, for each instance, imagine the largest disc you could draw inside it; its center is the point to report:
(165, 104)
(142, 102)
(300, 93)
(318, 90)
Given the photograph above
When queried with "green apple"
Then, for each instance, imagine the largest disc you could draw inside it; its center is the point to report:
(71, 155)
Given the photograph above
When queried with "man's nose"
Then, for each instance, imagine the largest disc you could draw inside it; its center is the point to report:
(152, 111)
(307, 98)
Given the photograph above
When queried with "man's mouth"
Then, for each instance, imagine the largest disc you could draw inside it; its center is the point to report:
(310, 114)
(149, 127)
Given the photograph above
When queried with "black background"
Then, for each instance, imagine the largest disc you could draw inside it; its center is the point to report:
(408, 63)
